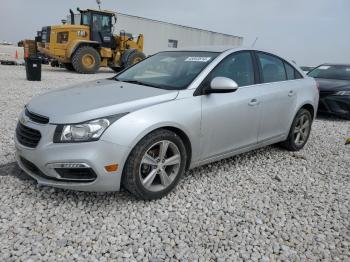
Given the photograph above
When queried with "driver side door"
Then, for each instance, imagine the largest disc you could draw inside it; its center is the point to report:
(230, 121)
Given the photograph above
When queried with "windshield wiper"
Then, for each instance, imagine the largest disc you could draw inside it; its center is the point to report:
(138, 83)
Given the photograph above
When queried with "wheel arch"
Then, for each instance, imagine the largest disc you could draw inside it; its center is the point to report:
(185, 139)
(177, 130)
(309, 107)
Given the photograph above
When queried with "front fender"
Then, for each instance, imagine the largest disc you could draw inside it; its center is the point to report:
(183, 114)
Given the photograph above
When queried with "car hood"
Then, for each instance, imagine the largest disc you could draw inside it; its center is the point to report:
(333, 84)
(96, 99)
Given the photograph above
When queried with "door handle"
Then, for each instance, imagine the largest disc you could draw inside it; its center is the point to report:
(253, 102)
(291, 93)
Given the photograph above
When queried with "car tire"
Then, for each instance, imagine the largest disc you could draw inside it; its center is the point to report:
(69, 66)
(134, 58)
(143, 173)
(299, 132)
(86, 60)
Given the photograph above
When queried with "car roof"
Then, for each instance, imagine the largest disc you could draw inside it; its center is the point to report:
(222, 49)
(334, 64)
(214, 48)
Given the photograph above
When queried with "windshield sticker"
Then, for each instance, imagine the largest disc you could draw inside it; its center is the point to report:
(197, 59)
(347, 69)
(168, 59)
(324, 67)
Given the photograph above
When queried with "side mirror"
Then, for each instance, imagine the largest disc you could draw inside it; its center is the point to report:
(222, 85)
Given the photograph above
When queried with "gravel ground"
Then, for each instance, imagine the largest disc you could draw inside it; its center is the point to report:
(266, 205)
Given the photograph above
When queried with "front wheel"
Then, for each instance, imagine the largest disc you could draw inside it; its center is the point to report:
(155, 165)
(299, 132)
(86, 60)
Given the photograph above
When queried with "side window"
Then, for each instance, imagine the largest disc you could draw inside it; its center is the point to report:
(106, 23)
(238, 67)
(297, 75)
(272, 68)
(86, 19)
(292, 73)
(96, 22)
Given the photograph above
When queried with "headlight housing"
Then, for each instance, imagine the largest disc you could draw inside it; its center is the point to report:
(84, 132)
(342, 93)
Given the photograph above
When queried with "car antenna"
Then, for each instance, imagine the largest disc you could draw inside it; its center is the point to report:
(256, 39)
(99, 4)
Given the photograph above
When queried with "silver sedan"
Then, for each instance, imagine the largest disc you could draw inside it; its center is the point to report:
(176, 110)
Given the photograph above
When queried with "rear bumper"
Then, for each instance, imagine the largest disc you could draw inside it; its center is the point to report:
(336, 105)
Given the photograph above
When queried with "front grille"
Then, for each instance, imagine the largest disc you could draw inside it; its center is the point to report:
(36, 118)
(27, 136)
(77, 174)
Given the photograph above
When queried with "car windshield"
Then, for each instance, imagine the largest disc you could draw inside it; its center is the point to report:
(168, 70)
(341, 72)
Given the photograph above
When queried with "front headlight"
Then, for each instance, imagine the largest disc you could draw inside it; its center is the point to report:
(342, 93)
(84, 132)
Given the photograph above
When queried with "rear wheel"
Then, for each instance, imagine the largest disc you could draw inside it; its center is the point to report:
(155, 165)
(134, 58)
(299, 132)
(86, 60)
(69, 66)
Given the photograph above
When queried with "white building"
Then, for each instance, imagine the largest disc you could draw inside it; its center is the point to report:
(162, 35)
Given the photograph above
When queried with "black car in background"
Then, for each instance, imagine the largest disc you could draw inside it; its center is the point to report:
(334, 84)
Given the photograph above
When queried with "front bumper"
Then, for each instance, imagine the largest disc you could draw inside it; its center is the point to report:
(95, 155)
(336, 105)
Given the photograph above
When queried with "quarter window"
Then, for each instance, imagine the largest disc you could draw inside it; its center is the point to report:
(272, 68)
(238, 67)
(289, 71)
(292, 73)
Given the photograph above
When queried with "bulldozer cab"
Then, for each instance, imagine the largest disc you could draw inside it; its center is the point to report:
(101, 24)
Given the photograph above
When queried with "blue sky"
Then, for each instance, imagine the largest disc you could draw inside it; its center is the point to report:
(307, 31)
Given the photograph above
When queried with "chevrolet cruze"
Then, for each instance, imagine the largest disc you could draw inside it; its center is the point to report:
(175, 110)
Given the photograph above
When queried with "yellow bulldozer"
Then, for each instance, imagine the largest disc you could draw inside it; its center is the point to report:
(86, 45)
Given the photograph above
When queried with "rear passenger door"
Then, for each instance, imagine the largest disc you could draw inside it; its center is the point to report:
(278, 97)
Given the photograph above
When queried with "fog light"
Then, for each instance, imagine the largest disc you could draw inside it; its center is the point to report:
(67, 165)
(111, 168)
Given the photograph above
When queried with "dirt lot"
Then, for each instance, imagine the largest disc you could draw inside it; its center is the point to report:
(266, 205)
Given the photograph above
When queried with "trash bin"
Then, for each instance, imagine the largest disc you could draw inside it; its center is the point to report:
(33, 68)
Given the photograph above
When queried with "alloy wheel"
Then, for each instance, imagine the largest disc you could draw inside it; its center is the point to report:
(302, 130)
(160, 165)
